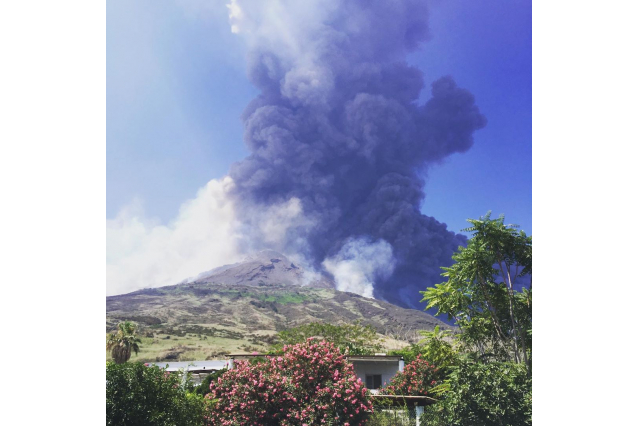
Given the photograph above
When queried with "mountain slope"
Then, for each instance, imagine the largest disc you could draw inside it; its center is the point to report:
(205, 320)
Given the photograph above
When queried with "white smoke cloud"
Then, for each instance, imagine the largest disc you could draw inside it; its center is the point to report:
(275, 221)
(359, 263)
(144, 253)
(235, 15)
(280, 226)
(289, 27)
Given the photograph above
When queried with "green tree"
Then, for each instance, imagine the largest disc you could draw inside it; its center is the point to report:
(476, 394)
(355, 338)
(204, 387)
(149, 396)
(479, 294)
(409, 353)
(439, 347)
(122, 343)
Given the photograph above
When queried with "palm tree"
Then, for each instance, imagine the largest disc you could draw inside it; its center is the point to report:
(123, 342)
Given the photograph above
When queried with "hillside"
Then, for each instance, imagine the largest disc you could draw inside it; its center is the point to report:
(209, 320)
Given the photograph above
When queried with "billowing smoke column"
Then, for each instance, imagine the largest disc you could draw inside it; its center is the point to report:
(340, 145)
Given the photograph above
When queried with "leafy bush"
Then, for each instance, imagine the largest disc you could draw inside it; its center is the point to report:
(204, 388)
(486, 292)
(140, 395)
(484, 395)
(311, 383)
(438, 346)
(389, 415)
(354, 338)
(417, 378)
(408, 353)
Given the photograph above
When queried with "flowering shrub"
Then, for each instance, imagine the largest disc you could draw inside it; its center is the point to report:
(311, 383)
(416, 379)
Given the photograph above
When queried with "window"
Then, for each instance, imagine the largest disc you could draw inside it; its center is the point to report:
(373, 381)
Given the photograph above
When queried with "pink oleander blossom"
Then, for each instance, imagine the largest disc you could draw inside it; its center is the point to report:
(417, 378)
(291, 389)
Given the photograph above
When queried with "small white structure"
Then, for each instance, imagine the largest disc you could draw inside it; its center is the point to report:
(198, 369)
(376, 370)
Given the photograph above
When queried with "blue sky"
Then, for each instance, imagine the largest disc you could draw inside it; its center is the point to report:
(176, 86)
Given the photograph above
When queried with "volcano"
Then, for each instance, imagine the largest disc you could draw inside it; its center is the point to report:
(265, 267)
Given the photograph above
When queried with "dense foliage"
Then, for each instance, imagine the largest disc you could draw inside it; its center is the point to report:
(204, 387)
(417, 378)
(484, 395)
(311, 383)
(123, 342)
(140, 395)
(392, 415)
(354, 338)
(437, 346)
(488, 293)
(485, 294)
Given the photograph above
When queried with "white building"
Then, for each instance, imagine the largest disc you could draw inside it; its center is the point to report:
(376, 370)
(198, 369)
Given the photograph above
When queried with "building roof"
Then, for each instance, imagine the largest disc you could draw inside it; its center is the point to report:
(377, 357)
(192, 365)
(374, 358)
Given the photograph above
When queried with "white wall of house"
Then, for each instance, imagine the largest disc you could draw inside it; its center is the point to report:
(387, 369)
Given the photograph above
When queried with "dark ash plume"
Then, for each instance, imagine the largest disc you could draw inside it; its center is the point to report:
(340, 145)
